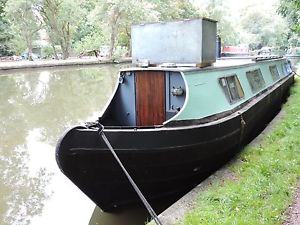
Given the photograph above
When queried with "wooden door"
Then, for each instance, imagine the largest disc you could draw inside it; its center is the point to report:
(150, 98)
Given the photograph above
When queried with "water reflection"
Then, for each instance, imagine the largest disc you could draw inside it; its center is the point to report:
(132, 216)
(36, 106)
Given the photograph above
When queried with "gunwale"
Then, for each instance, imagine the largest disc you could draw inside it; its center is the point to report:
(220, 64)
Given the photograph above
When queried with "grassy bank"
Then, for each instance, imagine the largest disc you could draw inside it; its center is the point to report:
(262, 181)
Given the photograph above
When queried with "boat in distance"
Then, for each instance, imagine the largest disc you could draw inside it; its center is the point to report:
(171, 126)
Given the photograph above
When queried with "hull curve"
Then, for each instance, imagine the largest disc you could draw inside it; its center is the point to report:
(166, 161)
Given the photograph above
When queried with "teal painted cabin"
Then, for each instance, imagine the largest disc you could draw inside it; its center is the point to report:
(204, 92)
(205, 89)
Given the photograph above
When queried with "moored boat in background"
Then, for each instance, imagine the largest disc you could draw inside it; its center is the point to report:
(235, 51)
(171, 122)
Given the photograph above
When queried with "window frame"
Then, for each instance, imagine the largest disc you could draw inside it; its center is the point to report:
(252, 81)
(288, 68)
(283, 69)
(239, 93)
(276, 76)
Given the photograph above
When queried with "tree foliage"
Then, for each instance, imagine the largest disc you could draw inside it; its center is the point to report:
(219, 11)
(81, 26)
(61, 18)
(110, 21)
(290, 10)
(5, 36)
(22, 18)
(114, 19)
(262, 29)
(174, 9)
(3, 21)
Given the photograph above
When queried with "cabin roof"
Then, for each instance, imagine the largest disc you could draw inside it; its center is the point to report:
(223, 63)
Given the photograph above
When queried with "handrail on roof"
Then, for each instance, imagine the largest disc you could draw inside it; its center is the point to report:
(266, 57)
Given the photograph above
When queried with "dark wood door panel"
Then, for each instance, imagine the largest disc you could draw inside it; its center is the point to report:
(150, 97)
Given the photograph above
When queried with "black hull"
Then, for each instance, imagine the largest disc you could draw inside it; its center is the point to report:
(163, 161)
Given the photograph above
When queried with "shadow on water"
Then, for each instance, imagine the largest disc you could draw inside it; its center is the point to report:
(137, 215)
(131, 216)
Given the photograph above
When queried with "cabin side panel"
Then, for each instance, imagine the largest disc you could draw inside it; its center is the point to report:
(123, 107)
(150, 98)
(175, 93)
(206, 97)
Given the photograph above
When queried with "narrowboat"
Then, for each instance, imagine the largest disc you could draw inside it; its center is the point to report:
(173, 119)
(235, 51)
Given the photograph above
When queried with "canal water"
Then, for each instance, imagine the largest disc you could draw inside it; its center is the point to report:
(36, 106)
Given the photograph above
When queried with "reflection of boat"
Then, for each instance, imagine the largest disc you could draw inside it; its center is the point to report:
(172, 126)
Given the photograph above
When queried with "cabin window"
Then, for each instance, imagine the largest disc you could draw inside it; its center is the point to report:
(288, 68)
(232, 88)
(282, 70)
(274, 72)
(255, 80)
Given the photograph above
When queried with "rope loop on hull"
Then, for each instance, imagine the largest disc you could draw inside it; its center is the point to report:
(243, 125)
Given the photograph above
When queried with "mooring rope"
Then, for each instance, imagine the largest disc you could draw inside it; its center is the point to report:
(296, 74)
(140, 194)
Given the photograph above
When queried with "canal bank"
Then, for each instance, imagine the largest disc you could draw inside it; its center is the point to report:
(257, 187)
(8, 65)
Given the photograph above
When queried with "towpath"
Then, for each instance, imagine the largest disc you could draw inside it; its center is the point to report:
(293, 212)
(22, 64)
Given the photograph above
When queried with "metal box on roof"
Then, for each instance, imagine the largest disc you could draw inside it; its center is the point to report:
(182, 42)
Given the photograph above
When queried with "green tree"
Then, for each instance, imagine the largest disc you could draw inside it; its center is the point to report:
(115, 17)
(139, 12)
(84, 28)
(89, 34)
(23, 21)
(108, 22)
(290, 10)
(175, 9)
(61, 18)
(227, 27)
(91, 41)
(263, 27)
(5, 36)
